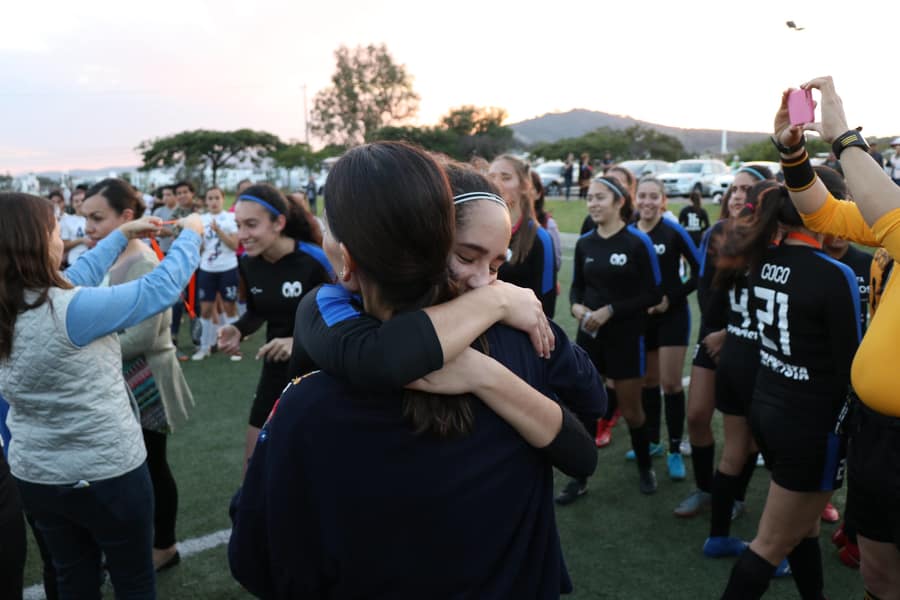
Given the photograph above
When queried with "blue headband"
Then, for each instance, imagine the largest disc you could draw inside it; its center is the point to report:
(618, 192)
(262, 203)
(469, 196)
(752, 171)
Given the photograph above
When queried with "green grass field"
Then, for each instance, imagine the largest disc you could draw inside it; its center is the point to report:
(617, 543)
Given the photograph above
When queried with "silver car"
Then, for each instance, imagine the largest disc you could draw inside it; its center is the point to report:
(692, 175)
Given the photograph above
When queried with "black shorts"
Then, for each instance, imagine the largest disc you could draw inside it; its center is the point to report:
(702, 358)
(618, 353)
(874, 466)
(672, 328)
(736, 377)
(804, 456)
(223, 282)
(272, 381)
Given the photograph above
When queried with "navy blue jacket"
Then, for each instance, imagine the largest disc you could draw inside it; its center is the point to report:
(343, 500)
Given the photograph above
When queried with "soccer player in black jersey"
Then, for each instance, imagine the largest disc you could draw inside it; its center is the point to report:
(711, 338)
(694, 218)
(283, 260)
(615, 280)
(669, 325)
(531, 263)
(806, 306)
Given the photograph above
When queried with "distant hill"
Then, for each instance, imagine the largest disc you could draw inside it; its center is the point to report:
(574, 123)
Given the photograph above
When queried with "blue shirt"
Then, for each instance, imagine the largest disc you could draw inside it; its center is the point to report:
(98, 311)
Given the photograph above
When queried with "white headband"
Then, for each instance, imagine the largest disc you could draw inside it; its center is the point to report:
(469, 196)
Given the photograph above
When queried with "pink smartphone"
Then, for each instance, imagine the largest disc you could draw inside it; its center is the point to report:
(800, 107)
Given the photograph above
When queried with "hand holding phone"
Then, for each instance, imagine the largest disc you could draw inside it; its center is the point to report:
(801, 109)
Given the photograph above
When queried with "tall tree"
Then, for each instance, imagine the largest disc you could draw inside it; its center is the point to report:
(369, 90)
(202, 148)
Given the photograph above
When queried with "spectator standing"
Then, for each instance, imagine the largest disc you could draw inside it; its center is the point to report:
(585, 172)
(568, 173)
(312, 192)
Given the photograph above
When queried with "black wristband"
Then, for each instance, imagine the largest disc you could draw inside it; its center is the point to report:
(787, 149)
(798, 173)
(847, 139)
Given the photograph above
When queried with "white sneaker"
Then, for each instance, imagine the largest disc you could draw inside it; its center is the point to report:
(200, 354)
(685, 447)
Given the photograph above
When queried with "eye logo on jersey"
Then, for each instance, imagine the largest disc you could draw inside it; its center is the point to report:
(660, 249)
(618, 260)
(291, 289)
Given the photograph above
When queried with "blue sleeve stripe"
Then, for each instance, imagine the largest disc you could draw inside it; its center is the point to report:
(654, 261)
(335, 305)
(685, 238)
(549, 260)
(704, 250)
(850, 276)
(4, 432)
(587, 234)
(318, 254)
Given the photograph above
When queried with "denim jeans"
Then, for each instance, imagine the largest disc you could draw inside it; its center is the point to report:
(113, 517)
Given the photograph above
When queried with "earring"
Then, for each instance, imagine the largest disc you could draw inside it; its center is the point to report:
(342, 274)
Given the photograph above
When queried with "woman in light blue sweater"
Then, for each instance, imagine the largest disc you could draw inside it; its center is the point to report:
(77, 453)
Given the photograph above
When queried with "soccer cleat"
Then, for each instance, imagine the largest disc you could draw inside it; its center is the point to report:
(738, 510)
(574, 490)
(783, 569)
(647, 481)
(685, 447)
(676, 467)
(604, 434)
(760, 460)
(602, 427)
(839, 537)
(849, 555)
(200, 354)
(655, 450)
(722, 546)
(699, 501)
(615, 418)
(830, 514)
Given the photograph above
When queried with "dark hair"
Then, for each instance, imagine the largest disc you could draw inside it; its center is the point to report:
(27, 222)
(539, 213)
(523, 239)
(834, 182)
(629, 176)
(391, 205)
(745, 238)
(119, 195)
(464, 179)
(183, 183)
(163, 188)
(696, 199)
(83, 187)
(299, 222)
(628, 205)
(55, 194)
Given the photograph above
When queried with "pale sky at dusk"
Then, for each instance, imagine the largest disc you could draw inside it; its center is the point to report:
(84, 82)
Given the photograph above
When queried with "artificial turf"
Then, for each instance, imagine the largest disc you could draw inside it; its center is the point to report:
(617, 542)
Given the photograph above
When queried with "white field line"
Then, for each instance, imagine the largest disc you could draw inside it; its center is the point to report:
(186, 548)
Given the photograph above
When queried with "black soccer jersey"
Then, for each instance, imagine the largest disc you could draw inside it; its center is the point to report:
(273, 290)
(707, 272)
(861, 264)
(671, 242)
(806, 307)
(621, 270)
(695, 221)
(537, 271)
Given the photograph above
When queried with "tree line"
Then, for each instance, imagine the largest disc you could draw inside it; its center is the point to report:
(371, 97)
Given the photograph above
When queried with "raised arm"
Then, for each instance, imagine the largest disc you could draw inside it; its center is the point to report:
(332, 333)
(872, 190)
(95, 312)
